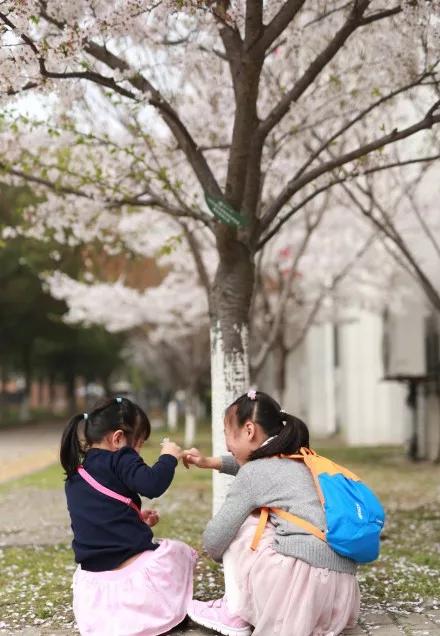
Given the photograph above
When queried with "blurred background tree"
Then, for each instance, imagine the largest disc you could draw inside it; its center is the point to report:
(36, 345)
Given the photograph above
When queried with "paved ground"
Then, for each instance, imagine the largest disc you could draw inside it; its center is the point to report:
(372, 624)
(28, 448)
(47, 523)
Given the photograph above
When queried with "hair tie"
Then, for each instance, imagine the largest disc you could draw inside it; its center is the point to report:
(118, 400)
(85, 416)
(283, 412)
(252, 394)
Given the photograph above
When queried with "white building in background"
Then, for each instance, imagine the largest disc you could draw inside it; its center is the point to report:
(359, 378)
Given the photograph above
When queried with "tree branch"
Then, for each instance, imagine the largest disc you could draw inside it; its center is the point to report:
(198, 260)
(427, 230)
(253, 23)
(97, 78)
(278, 24)
(380, 15)
(387, 227)
(327, 13)
(154, 201)
(277, 322)
(337, 181)
(326, 291)
(359, 117)
(155, 98)
(294, 185)
(315, 68)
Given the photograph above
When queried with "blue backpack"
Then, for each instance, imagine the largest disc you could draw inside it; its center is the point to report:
(354, 515)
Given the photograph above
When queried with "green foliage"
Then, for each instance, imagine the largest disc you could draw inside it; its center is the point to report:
(170, 245)
(34, 339)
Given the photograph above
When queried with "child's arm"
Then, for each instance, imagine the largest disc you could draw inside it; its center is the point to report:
(149, 481)
(240, 502)
(225, 463)
(194, 457)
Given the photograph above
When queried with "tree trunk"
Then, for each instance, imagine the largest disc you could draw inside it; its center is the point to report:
(229, 310)
(4, 382)
(106, 384)
(24, 412)
(190, 418)
(172, 415)
(280, 354)
(71, 393)
(52, 391)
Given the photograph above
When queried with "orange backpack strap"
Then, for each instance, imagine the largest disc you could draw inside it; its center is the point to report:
(309, 527)
(264, 514)
(304, 454)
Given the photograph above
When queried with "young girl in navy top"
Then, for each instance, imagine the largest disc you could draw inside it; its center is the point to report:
(125, 583)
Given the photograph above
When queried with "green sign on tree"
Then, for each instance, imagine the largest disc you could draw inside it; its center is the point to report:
(224, 212)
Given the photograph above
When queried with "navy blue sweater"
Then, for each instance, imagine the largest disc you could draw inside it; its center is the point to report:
(106, 532)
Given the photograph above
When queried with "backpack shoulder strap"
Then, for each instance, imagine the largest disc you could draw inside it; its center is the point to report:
(305, 525)
(302, 523)
(304, 454)
(106, 491)
(264, 514)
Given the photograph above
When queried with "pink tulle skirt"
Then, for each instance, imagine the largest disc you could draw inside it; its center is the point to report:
(146, 598)
(284, 596)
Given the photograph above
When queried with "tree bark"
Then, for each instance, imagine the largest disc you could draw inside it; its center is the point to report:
(229, 310)
(70, 392)
(24, 412)
(281, 353)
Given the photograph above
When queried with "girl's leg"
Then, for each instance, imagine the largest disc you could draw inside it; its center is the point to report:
(221, 615)
(232, 591)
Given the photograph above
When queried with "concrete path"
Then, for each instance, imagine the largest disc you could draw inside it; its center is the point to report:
(372, 624)
(25, 449)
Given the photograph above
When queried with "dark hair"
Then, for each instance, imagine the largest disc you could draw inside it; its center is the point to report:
(289, 431)
(108, 414)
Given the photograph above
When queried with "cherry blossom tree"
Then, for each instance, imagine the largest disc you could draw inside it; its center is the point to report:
(350, 251)
(255, 109)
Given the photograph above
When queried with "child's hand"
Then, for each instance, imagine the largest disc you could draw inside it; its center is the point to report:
(194, 456)
(150, 517)
(170, 448)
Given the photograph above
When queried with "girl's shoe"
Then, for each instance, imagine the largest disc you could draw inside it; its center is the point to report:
(215, 615)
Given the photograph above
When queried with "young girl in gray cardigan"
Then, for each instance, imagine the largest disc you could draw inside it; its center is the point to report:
(293, 583)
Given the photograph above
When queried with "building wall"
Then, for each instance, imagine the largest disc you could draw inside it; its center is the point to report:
(338, 380)
(371, 410)
(320, 380)
(335, 382)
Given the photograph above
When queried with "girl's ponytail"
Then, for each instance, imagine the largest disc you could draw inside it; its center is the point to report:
(71, 451)
(293, 435)
(286, 433)
(106, 416)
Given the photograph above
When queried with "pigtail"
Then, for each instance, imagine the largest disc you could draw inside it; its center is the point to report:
(70, 451)
(293, 434)
(107, 415)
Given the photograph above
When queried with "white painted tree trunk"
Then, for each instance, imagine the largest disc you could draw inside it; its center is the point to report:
(321, 380)
(172, 415)
(190, 429)
(24, 410)
(229, 379)
(192, 407)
